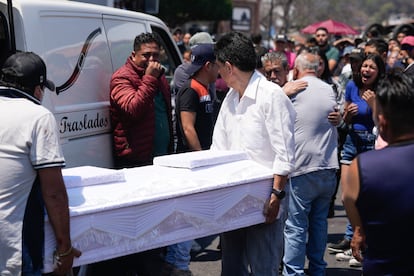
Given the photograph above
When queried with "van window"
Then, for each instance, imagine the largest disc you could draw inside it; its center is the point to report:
(121, 35)
(169, 56)
(77, 58)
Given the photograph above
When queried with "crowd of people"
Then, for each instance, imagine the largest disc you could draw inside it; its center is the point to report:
(318, 115)
(356, 71)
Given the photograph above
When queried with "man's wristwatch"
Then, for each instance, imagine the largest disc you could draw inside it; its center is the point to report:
(280, 194)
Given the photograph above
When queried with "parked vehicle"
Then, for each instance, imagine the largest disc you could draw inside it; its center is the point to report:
(82, 45)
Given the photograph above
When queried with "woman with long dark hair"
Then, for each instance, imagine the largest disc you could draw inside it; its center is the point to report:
(359, 96)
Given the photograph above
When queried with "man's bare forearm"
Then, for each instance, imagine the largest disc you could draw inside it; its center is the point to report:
(56, 202)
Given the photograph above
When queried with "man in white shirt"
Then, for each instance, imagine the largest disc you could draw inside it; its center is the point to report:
(256, 116)
(31, 161)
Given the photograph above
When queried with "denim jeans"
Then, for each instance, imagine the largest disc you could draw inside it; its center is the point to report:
(307, 226)
(258, 247)
(27, 264)
(32, 233)
(179, 254)
(349, 232)
(356, 143)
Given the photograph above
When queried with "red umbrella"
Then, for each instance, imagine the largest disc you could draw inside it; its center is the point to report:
(333, 27)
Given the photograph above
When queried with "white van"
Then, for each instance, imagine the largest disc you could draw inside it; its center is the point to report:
(82, 45)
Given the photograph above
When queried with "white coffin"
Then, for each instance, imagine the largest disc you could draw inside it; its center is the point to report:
(159, 205)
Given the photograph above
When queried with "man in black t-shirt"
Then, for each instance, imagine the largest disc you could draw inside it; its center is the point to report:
(194, 106)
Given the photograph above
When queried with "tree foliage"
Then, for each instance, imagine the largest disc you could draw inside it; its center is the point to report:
(353, 12)
(178, 12)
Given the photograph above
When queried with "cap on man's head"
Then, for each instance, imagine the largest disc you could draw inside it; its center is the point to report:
(177, 30)
(357, 54)
(407, 43)
(200, 54)
(281, 38)
(347, 50)
(27, 70)
(201, 38)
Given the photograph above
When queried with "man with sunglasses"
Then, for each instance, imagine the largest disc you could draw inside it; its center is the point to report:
(141, 106)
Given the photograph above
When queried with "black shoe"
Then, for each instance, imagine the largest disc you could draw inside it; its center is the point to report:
(180, 272)
(166, 269)
(339, 247)
(331, 212)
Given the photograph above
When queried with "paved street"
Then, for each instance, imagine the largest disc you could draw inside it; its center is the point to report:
(208, 262)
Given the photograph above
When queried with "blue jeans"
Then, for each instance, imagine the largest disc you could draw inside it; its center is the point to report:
(27, 264)
(356, 143)
(259, 247)
(32, 233)
(307, 226)
(349, 232)
(179, 255)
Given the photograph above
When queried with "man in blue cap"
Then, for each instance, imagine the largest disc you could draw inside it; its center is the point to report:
(194, 111)
(194, 106)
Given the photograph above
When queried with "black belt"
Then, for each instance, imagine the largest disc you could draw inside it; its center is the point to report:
(362, 131)
(351, 129)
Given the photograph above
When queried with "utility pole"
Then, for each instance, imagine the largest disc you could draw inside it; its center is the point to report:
(270, 21)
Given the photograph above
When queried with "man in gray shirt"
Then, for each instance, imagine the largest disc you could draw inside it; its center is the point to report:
(313, 180)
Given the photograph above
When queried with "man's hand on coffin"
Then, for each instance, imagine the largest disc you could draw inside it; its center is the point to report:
(63, 262)
(271, 208)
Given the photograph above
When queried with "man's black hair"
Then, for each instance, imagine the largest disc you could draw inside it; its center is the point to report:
(238, 50)
(380, 44)
(322, 29)
(145, 38)
(395, 95)
(256, 38)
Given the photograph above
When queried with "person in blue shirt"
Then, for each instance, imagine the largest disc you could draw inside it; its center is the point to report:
(359, 95)
(378, 192)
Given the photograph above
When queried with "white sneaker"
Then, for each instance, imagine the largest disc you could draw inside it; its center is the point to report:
(354, 262)
(344, 256)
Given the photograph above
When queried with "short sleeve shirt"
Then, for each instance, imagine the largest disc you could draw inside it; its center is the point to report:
(363, 120)
(28, 142)
(194, 97)
(332, 53)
